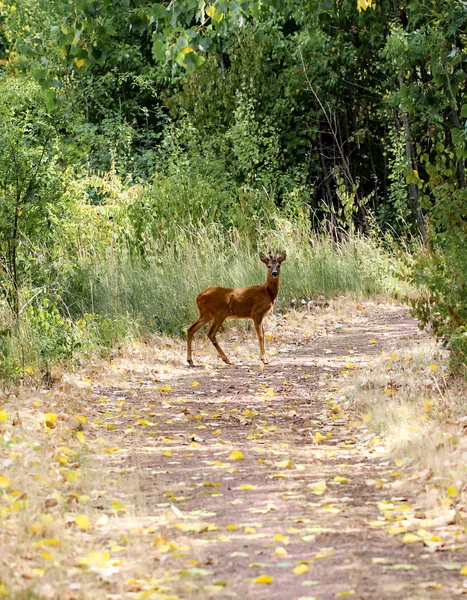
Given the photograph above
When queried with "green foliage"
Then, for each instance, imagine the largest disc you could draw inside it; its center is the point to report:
(30, 185)
(164, 144)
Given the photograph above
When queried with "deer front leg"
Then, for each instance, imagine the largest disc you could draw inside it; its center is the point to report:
(189, 336)
(212, 336)
(260, 332)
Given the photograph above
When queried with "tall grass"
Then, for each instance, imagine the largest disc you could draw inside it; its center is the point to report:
(159, 290)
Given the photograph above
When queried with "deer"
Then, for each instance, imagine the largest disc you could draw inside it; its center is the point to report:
(217, 304)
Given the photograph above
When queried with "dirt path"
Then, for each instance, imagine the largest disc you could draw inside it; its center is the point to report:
(303, 514)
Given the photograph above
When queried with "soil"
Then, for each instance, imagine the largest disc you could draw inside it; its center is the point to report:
(305, 510)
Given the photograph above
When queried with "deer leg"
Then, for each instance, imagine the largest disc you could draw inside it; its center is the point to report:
(189, 335)
(258, 321)
(212, 336)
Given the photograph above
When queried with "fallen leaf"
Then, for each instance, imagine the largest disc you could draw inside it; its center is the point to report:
(235, 455)
(300, 569)
(264, 579)
(4, 482)
(82, 521)
(318, 488)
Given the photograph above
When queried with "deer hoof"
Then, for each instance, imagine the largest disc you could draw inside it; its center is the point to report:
(265, 361)
(190, 362)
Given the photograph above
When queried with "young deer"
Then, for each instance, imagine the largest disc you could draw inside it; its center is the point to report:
(218, 304)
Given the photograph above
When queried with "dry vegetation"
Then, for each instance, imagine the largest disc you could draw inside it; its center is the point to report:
(100, 491)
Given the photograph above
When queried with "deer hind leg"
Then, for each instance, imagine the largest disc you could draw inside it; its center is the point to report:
(212, 336)
(258, 321)
(202, 320)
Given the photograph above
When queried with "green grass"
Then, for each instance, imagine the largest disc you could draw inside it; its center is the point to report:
(159, 291)
(118, 294)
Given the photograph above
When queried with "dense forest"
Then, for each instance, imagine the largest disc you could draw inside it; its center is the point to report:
(150, 149)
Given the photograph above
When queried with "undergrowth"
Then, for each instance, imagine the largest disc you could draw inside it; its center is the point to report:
(115, 296)
(410, 400)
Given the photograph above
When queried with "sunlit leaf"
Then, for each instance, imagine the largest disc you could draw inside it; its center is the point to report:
(235, 455)
(82, 521)
(300, 569)
(247, 486)
(411, 538)
(318, 488)
(264, 579)
(4, 482)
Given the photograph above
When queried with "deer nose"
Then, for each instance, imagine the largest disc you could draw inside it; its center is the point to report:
(275, 273)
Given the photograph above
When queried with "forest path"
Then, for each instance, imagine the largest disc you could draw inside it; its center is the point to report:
(249, 483)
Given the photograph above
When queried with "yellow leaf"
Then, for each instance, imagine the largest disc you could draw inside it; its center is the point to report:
(344, 594)
(340, 479)
(283, 464)
(80, 437)
(187, 50)
(247, 486)
(270, 392)
(433, 367)
(118, 506)
(396, 530)
(300, 569)
(47, 542)
(82, 521)
(366, 418)
(194, 383)
(249, 529)
(79, 62)
(211, 11)
(364, 4)
(235, 455)
(264, 579)
(4, 482)
(164, 388)
(279, 551)
(372, 342)
(427, 406)
(318, 488)
(50, 417)
(29, 370)
(325, 553)
(95, 559)
(452, 491)
(410, 538)
(281, 538)
(167, 453)
(80, 418)
(319, 437)
(463, 571)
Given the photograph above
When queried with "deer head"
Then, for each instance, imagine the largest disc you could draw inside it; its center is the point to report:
(273, 262)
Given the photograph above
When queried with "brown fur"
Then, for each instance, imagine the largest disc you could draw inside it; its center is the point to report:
(218, 304)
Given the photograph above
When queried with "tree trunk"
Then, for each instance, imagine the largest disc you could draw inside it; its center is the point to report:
(414, 192)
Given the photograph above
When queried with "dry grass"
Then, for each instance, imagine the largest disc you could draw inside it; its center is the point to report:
(419, 410)
(51, 473)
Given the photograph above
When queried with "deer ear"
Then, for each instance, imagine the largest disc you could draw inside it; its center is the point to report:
(264, 258)
(282, 257)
